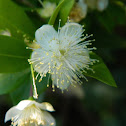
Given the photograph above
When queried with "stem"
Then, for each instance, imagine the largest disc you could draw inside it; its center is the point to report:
(41, 3)
(35, 95)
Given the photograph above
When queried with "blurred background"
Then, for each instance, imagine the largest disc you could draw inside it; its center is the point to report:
(93, 103)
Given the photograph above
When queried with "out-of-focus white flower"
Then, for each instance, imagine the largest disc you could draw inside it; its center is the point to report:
(97, 4)
(47, 10)
(102, 4)
(79, 11)
(63, 54)
(80, 8)
(5, 32)
(30, 113)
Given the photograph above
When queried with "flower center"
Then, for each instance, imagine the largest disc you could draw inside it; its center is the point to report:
(62, 51)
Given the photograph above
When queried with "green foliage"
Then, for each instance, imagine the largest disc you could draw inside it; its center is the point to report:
(13, 18)
(65, 10)
(13, 55)
(14, 68)
(24, 84)
(10, 81)
(55, 13)
(102, 73)
(22, 92)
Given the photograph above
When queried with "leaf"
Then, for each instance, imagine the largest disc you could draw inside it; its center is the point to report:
(102, 73)
(22, 92)
(9, 82)
(13, 55)
(13, 18)
(17, 94)
(55, 13)
(65, 10)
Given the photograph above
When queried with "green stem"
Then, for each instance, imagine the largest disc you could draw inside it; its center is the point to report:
(35, 94)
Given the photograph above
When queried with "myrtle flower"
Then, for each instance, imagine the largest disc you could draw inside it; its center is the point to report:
(47, 10)
(102, 4)
(30, 113)
(80, 8)
(63, 54)
(97, 4)
(79, 11)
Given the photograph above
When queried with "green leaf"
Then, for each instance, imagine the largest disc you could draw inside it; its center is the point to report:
(13, 18)
(17, 94)
(102, 73)
(9, 82)
(55, 13)
(22, 92)
(13, 55)
(65, 10)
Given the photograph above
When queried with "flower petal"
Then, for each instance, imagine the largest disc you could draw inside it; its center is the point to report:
(45, 106)
(50, 121)
(23, 104)
(45, 34)
(12, 112)
(71, 32)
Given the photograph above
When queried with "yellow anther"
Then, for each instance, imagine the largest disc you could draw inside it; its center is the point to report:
(40, 79)
(67, 81)
(47, 53)
(41, 63)
(52, 124)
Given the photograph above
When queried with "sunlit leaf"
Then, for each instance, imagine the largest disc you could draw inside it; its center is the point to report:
(55, 13)
(65, 10)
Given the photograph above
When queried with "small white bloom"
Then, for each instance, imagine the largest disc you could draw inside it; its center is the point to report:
(47, 10)
(30, 113)
(63, 54)
(102, 4)
(79, 11)
(97, 4)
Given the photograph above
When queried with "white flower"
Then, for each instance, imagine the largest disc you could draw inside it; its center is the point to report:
(47, 10)
(79, 11)
(30, 113)
(102, 4)
(97, 4)
(63, 54)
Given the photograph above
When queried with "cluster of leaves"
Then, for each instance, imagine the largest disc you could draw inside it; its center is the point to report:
(15, 75)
